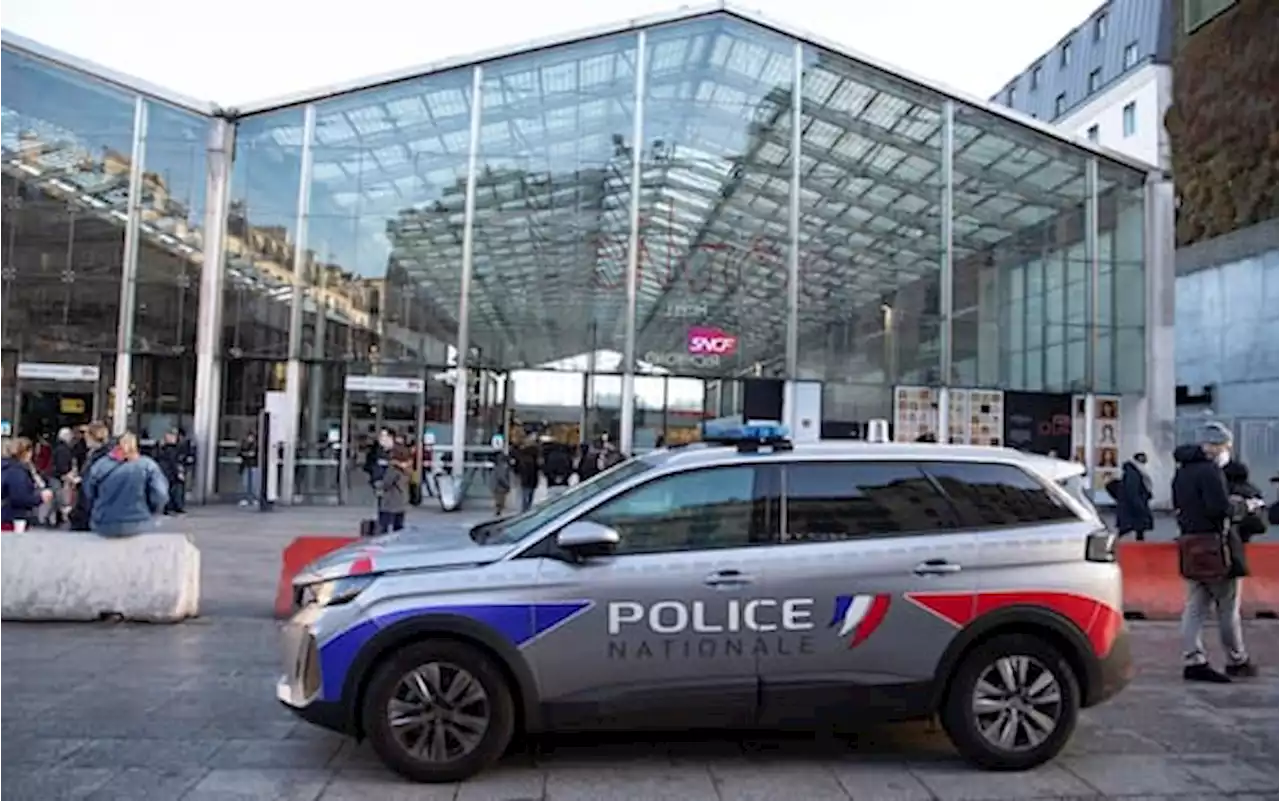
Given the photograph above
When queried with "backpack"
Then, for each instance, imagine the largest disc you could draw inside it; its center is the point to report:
(1204, 557)
(1113, 488)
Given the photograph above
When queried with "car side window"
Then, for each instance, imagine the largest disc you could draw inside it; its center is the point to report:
(831, 501)
(996, 495)
(701, 509)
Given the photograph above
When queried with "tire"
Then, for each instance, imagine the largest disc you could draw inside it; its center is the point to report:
(393, 681)
(965, 724)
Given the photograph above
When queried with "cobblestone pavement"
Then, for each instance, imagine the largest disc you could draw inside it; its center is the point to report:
(114, 711)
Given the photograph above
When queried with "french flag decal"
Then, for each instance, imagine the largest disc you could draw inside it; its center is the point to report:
(858, 616)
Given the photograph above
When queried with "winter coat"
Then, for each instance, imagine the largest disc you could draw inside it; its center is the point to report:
(21, 495)
(1133, 505)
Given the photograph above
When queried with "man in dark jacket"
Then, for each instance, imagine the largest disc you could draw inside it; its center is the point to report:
(170, 458)
(1204, 510)
(527, 470)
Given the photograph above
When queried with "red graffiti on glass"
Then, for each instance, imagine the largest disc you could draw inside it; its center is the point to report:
(709, 341)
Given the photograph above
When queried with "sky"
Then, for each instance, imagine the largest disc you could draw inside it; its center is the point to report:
(234, 51)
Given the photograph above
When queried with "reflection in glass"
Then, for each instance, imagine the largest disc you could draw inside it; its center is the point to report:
(1021, 292)
(384, 236)
(551, 204)
(716, 191)
(66, 149)
(870, 233)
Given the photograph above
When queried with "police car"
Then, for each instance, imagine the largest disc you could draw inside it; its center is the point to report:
(748, 582)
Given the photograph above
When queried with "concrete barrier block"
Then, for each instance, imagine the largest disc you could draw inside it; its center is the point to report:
(56, 575)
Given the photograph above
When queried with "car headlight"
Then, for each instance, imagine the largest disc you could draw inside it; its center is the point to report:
(335, 592)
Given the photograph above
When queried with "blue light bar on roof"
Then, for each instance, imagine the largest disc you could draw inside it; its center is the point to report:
(730, 432)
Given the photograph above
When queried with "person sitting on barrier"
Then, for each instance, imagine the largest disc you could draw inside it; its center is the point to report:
(125, 491)
(23, 495)
(394, 486)
(1210, 555)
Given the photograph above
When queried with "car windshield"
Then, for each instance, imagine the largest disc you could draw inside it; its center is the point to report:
(513, 529)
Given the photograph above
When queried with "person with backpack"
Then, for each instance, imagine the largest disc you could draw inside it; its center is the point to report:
(1210, 555)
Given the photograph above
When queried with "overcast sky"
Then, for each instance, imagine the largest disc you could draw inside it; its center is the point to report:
(232, 51)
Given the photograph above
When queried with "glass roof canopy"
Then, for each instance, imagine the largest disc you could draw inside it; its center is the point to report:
(387, 168)
(552, 190)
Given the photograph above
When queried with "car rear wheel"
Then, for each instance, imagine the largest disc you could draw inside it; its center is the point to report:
(1012, 704)
(438, 711)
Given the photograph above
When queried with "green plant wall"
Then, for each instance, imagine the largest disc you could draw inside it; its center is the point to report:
(1223, 121)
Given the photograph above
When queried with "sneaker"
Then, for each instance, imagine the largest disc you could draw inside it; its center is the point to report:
(1243, 670)
(1204, 673)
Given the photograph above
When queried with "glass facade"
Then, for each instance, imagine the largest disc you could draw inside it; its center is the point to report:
(601, 237)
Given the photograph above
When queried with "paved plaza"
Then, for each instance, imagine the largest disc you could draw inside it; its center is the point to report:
(132, 712)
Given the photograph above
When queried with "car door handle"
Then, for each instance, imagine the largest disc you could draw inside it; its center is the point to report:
(936, 567)
(727, 578)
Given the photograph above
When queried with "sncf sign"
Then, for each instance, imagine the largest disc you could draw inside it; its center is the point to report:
(705, 341)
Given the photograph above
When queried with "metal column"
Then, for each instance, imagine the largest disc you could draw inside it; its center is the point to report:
(293, 370)
(627, 421)
(129, 276)
(217, 196)
(792, 368)
(1092, 285)
(464, 295)
(946, 275)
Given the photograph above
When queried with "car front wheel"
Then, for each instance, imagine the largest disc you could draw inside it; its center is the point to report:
(1012, 704)
(438, 711)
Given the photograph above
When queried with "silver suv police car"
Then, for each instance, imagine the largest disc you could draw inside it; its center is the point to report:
(755, 584)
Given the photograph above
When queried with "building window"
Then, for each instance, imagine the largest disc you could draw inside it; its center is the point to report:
(1012, 96)
(1100, 27)
(1198, 12)
(1035, 76)
(1092, 133)
(1130, 54)
(1130, 119)
(1095, 81)
(1064, 55)
(1059, 105)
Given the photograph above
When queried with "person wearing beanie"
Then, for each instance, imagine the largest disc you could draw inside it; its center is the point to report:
(1206, 558)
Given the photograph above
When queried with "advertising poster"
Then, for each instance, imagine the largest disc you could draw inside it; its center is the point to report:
(1038, 422)
(915, 412)
(1107, 458)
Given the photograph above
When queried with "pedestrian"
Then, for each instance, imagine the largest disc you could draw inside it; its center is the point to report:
(500, 481)
(172, 463)
(393, 490)
(1210, 556)
(527, 473)
(97, 445)
(249, 469)
(1133, 499)
(126, 491)
(557, 466)
(23, 494)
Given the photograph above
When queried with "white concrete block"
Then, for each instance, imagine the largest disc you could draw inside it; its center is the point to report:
(57, 575)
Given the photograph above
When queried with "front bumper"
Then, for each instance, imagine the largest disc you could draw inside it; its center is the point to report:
(1114, 671)
(298, 687)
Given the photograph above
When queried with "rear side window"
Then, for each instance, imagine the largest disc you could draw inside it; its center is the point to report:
(996, 495)
(832, 501)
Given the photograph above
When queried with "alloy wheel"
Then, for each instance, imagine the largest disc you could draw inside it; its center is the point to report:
(1017, 703)
(439, 712)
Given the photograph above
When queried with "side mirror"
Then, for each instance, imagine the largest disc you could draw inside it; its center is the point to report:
(583, 539)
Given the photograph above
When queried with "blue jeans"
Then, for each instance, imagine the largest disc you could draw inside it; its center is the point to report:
(249, 483)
